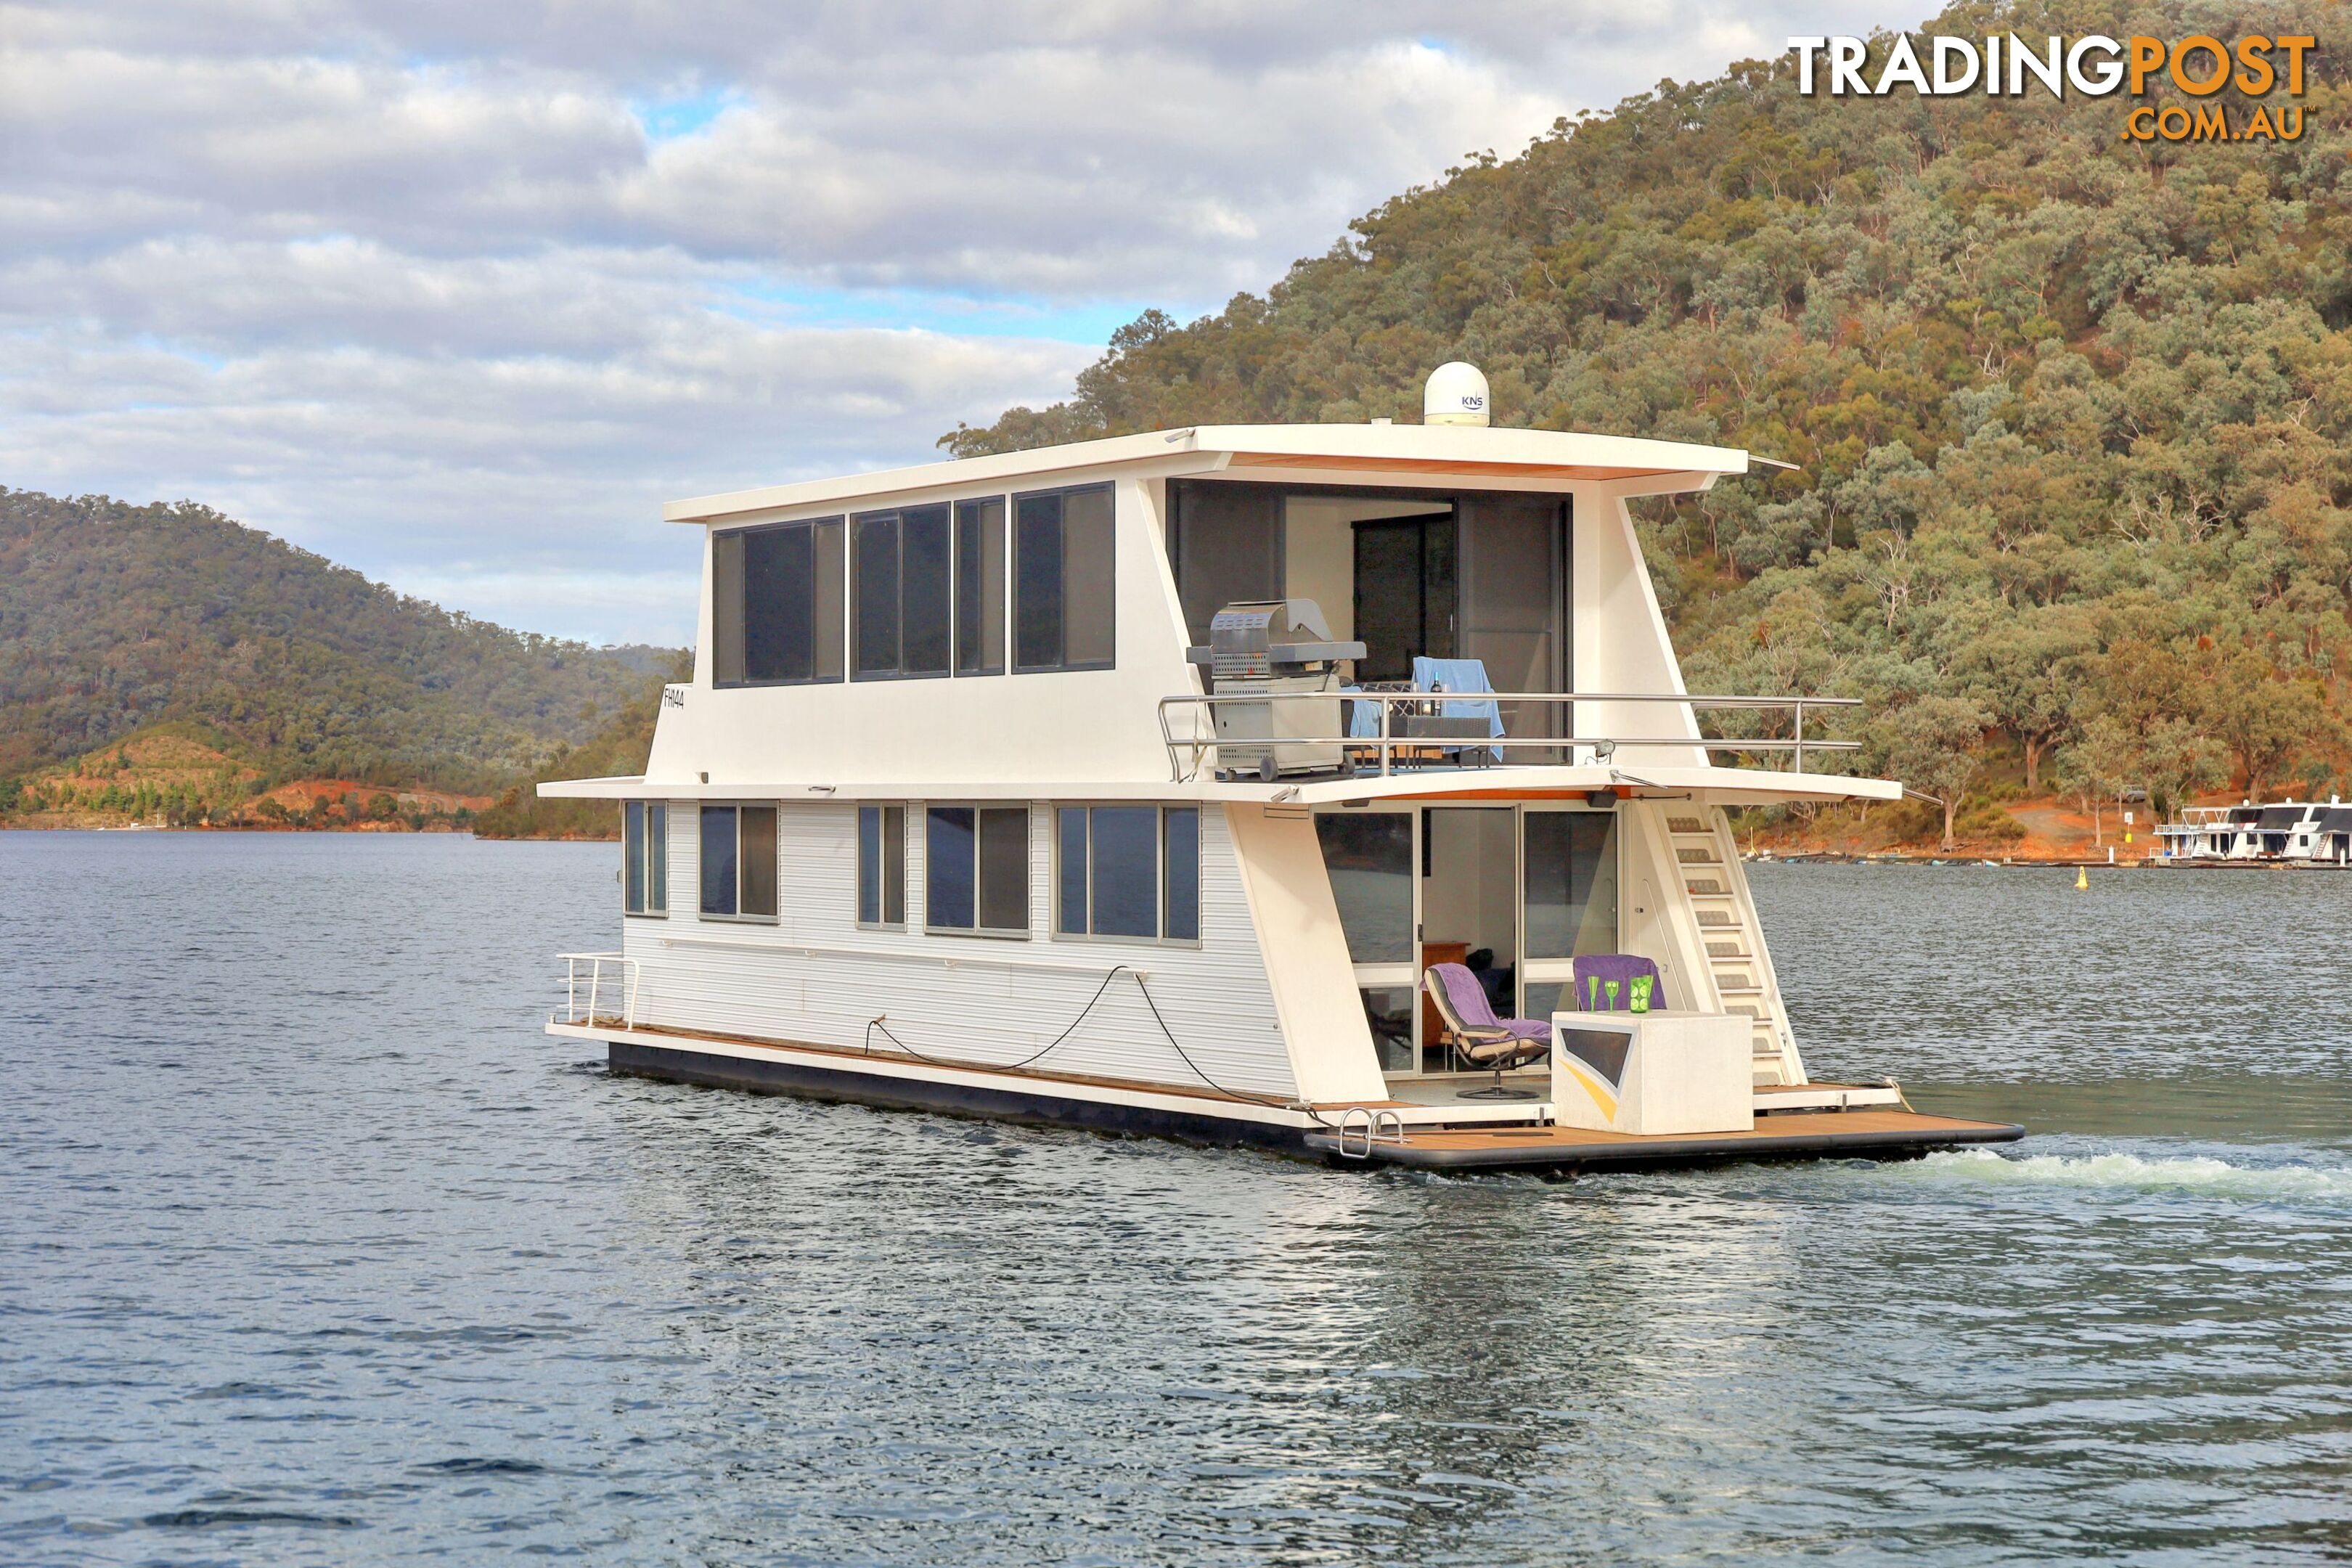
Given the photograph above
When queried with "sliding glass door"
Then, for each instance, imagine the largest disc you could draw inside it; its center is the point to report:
(1513, 893)
(1567, 883)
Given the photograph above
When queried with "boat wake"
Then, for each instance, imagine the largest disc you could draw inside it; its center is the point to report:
(2195, 1174)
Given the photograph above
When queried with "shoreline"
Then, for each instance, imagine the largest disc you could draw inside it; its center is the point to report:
(1958, 858)
(465, 830)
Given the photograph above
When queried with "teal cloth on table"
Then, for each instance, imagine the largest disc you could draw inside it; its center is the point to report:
(1460, 675)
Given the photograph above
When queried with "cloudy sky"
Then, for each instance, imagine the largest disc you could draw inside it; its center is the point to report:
(458, 292)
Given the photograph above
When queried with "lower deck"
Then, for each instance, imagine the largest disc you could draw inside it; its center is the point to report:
(1820, 1121)
(1872, 1133)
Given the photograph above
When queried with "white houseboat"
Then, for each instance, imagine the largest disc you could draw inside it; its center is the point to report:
(2289, 832)
(1327, 787)
(2210, 834)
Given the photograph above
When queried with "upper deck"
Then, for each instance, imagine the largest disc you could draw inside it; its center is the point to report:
(1002, 624)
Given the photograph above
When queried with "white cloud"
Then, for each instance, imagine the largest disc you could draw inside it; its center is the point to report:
(458, 293)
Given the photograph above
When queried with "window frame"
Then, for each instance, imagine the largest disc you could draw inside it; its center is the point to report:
(652, 845)
(775, 809)
(959, 512)
(883, 810)
(1381, 972)
(1561, 971)
(1027, 931)
(1012, 583)
(845, 655)
(896, 517)
(1160, 810)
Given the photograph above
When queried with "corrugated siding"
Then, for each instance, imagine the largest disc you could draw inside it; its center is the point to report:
(974, 999)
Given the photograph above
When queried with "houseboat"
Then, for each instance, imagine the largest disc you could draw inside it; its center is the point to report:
(1328, 787)
(2289, 833)
(2207, 834)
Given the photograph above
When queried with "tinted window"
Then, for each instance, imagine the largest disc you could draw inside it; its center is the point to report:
(777, 604)
(1370, 857)
(876, 620)
(645, 857)
(948, 870)
(1180, 826)
(1404, 593)
(1513, 549)
(869, 864)
(718, 860)
(976, 871)
(881, 864)
(755, 855)
(893, 864)
(779, 584)
(1389, 1010)
(1005, 868)
(657, 857)
(1070, 861)
(633, 857)
(979, 587)
(739, 860)
(1128, 871)
(1571, 883)
(1125, 870)
(924, 560)
(1228, 546)
(901, 593)
(1064, 572)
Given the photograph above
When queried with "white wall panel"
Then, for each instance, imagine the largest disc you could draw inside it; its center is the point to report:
(812, 976)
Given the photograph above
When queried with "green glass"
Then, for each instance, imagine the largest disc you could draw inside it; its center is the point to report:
(1643, 986)
(1610, 986)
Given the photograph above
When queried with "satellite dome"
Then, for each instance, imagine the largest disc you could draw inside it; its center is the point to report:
(1457, 395)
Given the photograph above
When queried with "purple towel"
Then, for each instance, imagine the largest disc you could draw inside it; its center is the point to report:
(1468, 999)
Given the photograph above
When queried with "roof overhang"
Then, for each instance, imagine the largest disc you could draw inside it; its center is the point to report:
(1392, 454)
(1712, 786)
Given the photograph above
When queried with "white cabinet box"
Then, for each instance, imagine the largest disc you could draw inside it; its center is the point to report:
(1652, 1072)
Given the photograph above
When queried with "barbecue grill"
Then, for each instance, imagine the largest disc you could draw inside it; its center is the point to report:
(1275, 647)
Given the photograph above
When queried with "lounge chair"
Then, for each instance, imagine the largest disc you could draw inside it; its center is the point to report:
(1477, 1036)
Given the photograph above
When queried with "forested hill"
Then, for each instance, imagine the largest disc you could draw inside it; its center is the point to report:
(2075, 412)
(114, 616)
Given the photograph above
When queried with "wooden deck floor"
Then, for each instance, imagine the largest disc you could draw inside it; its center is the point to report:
(1893, 1133)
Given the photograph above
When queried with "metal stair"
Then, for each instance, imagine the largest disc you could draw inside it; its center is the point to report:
(1708, 858)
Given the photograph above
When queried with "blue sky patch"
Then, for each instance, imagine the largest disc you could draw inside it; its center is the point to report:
(687, 114)
(1086, 322)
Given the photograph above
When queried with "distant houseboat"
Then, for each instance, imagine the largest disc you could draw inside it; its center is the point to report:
(2288, 833)
(1328, 787)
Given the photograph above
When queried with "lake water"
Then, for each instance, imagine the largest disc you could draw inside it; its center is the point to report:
(313, 1250)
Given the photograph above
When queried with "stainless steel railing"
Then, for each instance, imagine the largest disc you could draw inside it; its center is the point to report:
(1187, 755)
(598, 987)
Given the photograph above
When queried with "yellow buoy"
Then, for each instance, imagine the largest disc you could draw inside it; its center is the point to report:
(2081, 879)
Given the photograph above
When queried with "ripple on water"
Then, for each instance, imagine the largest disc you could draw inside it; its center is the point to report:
(383, 1274)
(2288, 1181)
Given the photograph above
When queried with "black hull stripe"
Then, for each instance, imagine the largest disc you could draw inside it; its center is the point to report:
(781, 1076)
(1685, 1152)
